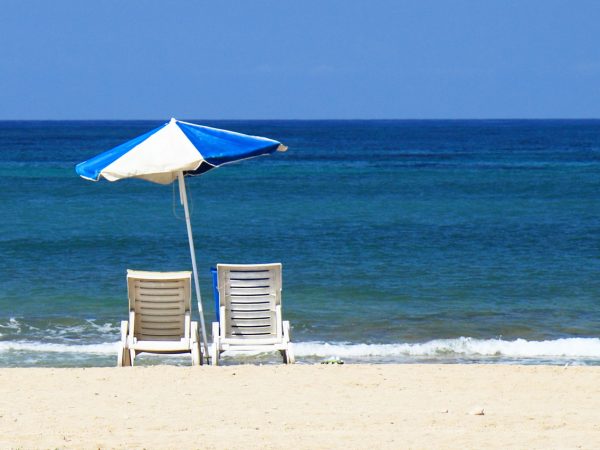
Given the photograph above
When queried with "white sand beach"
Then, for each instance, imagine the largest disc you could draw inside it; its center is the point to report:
(302, 406)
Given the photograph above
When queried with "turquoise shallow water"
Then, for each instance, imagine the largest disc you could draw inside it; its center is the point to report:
(402, 241)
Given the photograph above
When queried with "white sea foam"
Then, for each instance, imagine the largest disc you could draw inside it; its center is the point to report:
(13, 324)
(587, 348)
(84, 328)
(463, 346)
(44, 347)
(106, 328)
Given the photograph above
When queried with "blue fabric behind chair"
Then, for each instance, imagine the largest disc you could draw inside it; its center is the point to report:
(215, 280)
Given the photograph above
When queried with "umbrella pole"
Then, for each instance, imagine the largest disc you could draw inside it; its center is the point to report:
(183, 196)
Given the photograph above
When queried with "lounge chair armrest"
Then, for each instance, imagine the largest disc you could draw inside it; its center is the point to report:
(124, 331)
(222, 319)
(216, 331)
(130, 337)
(279, 324)
(287, 335)
(195, 335)
(187, 326)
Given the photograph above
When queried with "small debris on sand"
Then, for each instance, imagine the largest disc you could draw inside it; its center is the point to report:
(477, 411)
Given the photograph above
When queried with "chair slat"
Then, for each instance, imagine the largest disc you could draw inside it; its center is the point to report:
(141, 306)
(249, 291)
(250, 331)
(162, 318)
(249, 274)
(251, 283)
(161, 300)
(253, 314)
(252, 298)
(164, 284)
(176, 292)
(245, 322)
(250, 307)
(158, 337)
(169, 329)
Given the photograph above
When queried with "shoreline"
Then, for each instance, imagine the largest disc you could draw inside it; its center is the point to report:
(457, 350)
(304, 406)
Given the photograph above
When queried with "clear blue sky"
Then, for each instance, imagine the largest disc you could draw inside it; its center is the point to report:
(281, 59)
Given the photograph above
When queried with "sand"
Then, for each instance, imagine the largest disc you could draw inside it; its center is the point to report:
(302, 406)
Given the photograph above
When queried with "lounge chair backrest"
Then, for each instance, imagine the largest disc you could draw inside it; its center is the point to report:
(251, 298)
(162, 304)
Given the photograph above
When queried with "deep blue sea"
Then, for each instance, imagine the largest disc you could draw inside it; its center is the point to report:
(401, 241)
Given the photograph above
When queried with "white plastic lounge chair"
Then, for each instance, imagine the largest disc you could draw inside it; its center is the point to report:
(159, 316)
(250, 311)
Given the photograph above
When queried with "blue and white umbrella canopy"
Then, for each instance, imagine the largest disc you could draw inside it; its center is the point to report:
(170, 152)
(174, 147)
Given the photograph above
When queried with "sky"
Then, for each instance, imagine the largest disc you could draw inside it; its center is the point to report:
(278, 59)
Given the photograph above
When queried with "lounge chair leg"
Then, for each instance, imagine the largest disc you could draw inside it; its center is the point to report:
(196, 359)
(290, 354)
(214, 355)
(284, 356)
(214, 349)
(127, 359)
(289, 351)
(131, 357)
(123, 358)
(196, 353)
(120, 355)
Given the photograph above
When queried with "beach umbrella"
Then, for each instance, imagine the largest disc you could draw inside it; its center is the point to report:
(170, 152)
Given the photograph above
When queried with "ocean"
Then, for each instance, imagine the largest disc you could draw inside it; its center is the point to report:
(401, 241)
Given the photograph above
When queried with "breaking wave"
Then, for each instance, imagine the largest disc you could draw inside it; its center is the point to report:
(44, 347)
(462, 347)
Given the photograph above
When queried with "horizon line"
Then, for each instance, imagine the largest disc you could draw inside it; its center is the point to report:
(311, 120)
